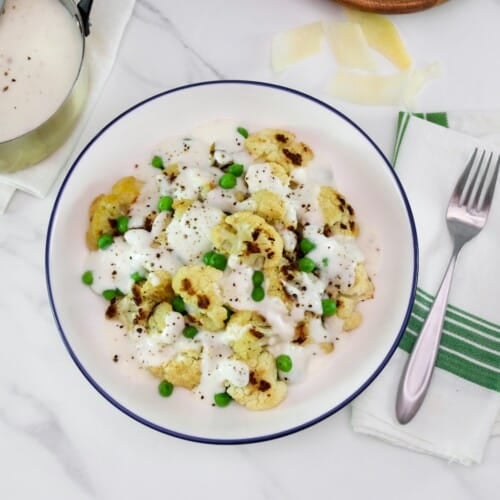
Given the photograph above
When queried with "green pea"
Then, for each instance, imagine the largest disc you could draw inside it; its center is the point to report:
(87, 278)
(236, 169)
(137, 277)
(329, 307)
(227, 181)
(104, 241)
(218, 261)
(178, 304)
(207, 258)
(257, 278)
(165, 388)
(307, 245)
(190, 332)
(157, 162)
(165, 203)
(306, 265)
(324, 260)
(222, 399)
(122, 224)
(111, 294)
(284, 363)
(242, 131)
(258, 293)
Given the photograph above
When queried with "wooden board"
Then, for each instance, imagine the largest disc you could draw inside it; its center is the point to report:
(392, 6)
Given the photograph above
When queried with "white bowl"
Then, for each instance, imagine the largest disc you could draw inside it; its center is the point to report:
(362, 173)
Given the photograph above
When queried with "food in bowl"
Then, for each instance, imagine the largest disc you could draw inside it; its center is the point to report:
(231, 260)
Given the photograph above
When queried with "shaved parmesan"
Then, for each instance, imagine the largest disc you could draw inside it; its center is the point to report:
(349, 46)
(396, 89)
(296, 44)
(383, 36)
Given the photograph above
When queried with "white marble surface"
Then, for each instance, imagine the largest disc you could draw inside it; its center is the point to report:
(60, 440)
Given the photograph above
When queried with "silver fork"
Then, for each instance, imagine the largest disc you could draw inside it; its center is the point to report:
(466, 215)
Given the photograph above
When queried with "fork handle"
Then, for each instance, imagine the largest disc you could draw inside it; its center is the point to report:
(420, 365)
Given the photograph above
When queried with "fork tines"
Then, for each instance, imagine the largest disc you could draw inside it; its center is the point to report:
(473, 193)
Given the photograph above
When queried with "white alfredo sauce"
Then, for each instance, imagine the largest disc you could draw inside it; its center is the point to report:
(38, 40)
(336, 256)
(189, 236)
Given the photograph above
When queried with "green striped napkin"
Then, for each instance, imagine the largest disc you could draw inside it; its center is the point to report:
(429, 157)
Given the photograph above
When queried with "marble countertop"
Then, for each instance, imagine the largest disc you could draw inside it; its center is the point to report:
(60, 440)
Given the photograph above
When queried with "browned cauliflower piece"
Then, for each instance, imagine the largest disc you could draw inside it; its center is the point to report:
(271, 207)
(279, 146)
(301, 335)
(198, 286)
(161, 220)
(362, 288)
(273, 277)
(348, 299)
(156, 322)
(249, 237)
(181, 206)
(184, 370)
(338, 214)
(327, 347)
(106, 208)
(251, 334)
(264, 390)
(136, 307)
(346, 310)
(277, 171)
(171, 172)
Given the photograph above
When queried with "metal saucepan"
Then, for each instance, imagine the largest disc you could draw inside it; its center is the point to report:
(38, 143)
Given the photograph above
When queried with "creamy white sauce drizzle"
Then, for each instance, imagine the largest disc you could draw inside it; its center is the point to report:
(308, 292)
(189, 236)
(335, 256)
(40, 54)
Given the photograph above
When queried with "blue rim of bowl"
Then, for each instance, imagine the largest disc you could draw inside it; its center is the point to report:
(285, 432)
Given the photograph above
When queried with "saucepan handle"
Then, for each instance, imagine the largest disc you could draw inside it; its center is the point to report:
(84, 6)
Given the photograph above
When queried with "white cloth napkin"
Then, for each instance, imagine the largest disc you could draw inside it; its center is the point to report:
(108, 20)
(462, 408)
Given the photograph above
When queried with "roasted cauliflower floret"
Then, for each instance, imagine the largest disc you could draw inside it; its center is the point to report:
(264, 390)
(184, 370)
(181, 206)
(301, 335)
(338, 214)
(362, 288)
(156, 322)
(158, 227)
(199, 288)
(349, 298)
(171, 172)
(346, 310)
(279, 146)
(274, 285)
(270, 206)
(136, 307)
(251, 333)
(250, 237)
(279, 172)
(106, 208)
